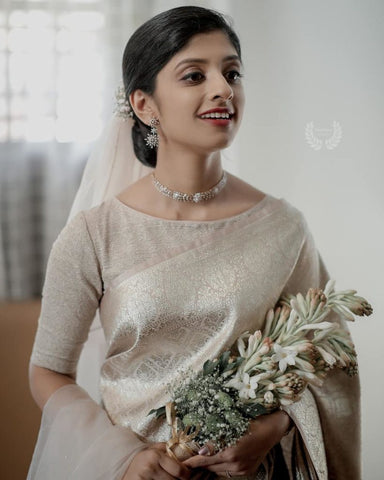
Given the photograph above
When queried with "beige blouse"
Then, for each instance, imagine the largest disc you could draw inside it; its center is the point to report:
(173, 293)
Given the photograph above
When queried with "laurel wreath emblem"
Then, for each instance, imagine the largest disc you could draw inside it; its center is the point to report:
(313, 141)
(317, 143)
(334, 140)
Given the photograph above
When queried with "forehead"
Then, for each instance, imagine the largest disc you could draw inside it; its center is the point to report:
(213, 45)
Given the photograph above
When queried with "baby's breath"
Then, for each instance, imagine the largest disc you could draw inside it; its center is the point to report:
(205, 404)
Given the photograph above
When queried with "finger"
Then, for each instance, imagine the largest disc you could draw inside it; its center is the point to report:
(196, 462)
(176, 469)
(202, 475)
(163, 475)
(159, 446)
(224, 467)
(205, 460)
(207, 449)
(234, 468)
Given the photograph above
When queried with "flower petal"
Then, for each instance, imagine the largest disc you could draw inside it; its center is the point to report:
(252, 394)
(283, 365)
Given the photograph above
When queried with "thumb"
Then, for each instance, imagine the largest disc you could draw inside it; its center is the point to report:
(159, 446)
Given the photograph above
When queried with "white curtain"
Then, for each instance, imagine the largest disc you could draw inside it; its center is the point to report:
(37, 187)
(39, 177)
(42, 150)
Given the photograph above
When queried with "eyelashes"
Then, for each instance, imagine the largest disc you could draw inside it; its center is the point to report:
(191, 77)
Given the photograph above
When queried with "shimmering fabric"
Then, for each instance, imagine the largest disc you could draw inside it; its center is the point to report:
(77, 440)
(174, 293)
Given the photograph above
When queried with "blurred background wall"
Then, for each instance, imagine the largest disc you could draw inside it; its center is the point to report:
(312, 133)
(314, 71)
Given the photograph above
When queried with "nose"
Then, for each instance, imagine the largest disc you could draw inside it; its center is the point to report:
(221, 88)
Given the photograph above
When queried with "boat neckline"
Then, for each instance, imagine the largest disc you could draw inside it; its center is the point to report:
(246, 212)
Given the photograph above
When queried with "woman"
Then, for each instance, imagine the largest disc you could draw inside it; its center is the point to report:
(179, 264)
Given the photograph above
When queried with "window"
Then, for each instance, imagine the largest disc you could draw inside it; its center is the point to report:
(51, 71)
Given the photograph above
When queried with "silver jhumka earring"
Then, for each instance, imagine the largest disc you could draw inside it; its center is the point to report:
(152, 138)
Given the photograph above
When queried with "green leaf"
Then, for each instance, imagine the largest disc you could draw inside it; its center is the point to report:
(234, 364)
(252, 410)
(208, 367)
(223, 360)
(159, 412)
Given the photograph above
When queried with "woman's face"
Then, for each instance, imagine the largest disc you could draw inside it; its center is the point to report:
(202, 76)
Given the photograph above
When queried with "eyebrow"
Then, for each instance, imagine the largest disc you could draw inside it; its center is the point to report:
(203, 60)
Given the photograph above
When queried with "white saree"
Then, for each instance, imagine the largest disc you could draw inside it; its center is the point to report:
(172, 294)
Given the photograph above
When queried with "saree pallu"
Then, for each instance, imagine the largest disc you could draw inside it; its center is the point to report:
(175, 309)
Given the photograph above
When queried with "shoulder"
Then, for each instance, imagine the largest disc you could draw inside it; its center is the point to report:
(293, 214)
(240, 195)
(73, 245)
(73, 231)
(83, 228)
(108, 225)
(285, 210)
(285, 224)
(97, 215)
(73, 254)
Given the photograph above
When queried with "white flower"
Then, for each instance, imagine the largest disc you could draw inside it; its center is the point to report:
(241, 343)
(269, 397)
(330, 359)
(252, 341)
(284, 356)
(245, 384)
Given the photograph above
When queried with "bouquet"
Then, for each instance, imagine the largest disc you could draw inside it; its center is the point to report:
(263, 370)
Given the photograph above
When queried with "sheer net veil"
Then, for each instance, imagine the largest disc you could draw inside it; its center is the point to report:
(111, 167)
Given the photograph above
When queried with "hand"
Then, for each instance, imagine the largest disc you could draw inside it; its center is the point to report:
(153, 463)
(247, 455)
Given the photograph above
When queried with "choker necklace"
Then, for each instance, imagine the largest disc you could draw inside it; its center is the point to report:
(191, 197)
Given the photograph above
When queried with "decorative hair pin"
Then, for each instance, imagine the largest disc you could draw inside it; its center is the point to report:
(123, 108)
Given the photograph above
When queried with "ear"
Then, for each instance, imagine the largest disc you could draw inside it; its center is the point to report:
(142, 105)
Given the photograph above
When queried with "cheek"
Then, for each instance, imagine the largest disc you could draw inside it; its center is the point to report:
(240, 99)
(179, 111)
(176, 117)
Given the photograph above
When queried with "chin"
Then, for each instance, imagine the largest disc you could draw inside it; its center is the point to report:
(213, 144)
(224, 144)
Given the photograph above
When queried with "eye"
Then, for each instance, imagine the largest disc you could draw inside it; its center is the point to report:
(193, 77)
(234, 75)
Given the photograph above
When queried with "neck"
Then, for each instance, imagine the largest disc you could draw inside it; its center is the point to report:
(188, 172)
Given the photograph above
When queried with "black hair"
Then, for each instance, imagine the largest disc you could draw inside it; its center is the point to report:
(152, 45)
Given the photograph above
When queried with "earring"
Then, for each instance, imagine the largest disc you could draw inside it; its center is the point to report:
(152, 138)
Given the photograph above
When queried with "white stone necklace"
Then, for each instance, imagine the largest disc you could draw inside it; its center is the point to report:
(191, 197)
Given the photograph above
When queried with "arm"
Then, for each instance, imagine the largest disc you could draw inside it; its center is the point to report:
(44, 382)
(76, 436)
(330, 412)
(77, 439)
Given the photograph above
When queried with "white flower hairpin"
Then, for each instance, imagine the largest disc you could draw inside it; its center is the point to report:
(123, 108)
